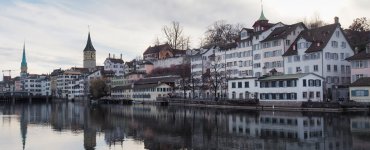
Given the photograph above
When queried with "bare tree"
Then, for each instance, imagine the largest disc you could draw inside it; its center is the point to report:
(314, 22)
(358, 33)
(220, 33)
(214, 76)
(156, 41)
(360, 25)
(174, 36)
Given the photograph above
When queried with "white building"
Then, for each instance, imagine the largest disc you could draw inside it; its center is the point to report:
(45, 87)
(77, 89)
(114, 64)
(290, 87)
(321, 51)
(150, 92)
(63, 82)
(33, 84)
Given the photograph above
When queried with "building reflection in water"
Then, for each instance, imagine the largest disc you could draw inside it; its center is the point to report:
(197, 128)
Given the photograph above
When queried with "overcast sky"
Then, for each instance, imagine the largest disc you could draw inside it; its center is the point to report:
(56, 31)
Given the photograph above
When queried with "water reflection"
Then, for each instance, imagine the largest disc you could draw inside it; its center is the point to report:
(152, 127)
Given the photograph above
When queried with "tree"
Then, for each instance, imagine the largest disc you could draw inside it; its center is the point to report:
(220, 33)
(360, 25)
(184, 72)
(358, 33)
(174, 36)
(314, 22)
(214, 76)
(98, 88)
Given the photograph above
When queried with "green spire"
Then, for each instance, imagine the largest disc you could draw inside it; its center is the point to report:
(262, 17)
(24, 62)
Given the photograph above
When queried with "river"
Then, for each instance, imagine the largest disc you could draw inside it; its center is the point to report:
(77, 126)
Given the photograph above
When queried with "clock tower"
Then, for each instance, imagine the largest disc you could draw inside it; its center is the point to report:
(89, 60)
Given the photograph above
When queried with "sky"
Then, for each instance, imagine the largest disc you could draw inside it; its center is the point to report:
(55, 31)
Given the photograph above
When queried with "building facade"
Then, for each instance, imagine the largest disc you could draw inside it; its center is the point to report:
(89, 55)
(290, 87)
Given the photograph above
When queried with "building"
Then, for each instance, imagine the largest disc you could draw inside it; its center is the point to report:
(322, 51)
(63, 82)
(33, 84)
(114, 64)
(77, 89)
(136, 65)
(46, 87)
(163, 51)
(360, 63)
(89, 55)
(360, 89)
(289, 87)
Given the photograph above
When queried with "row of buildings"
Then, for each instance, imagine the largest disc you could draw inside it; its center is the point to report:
(269, 62)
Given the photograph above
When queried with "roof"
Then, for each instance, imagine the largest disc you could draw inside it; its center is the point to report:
(142, 86)
(286, 76)
(157, 48)
(163, 79)
(360, 56)
(121, 87)
(282, 32)
(319, 37)
(115, 60)
(89, 46)
(228, 46)
(365, 81)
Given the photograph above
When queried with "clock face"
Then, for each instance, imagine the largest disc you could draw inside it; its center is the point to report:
(89, 55)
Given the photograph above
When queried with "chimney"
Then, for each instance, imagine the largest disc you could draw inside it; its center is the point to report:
(336, 20)
(121, 55)
(109, 55)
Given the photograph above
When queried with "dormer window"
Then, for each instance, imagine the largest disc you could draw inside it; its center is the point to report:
(318, 44)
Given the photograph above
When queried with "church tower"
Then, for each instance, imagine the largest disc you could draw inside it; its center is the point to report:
(89, 60)
(24, 63)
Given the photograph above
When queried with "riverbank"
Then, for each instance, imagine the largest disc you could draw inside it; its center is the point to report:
(274, 106)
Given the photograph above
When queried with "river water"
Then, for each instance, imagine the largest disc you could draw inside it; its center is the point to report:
(76, 126)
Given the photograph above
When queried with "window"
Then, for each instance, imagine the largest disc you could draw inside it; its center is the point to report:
(334, 44)
(298, 69)
(312, 95)
(335, 68)
(246, 84)
(360, 93)
(316, 68)
(328, 68)
(287, 42)
(317, 94)
(304, 82)
(233, 85)
(337, 33)
(240, 85)
(304, 95)
(343, 45)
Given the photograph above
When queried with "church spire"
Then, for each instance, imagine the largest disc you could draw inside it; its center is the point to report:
(262, 17)
(24, 61)
(89, 46)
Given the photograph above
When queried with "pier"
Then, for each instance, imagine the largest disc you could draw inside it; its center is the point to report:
(22, 97)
